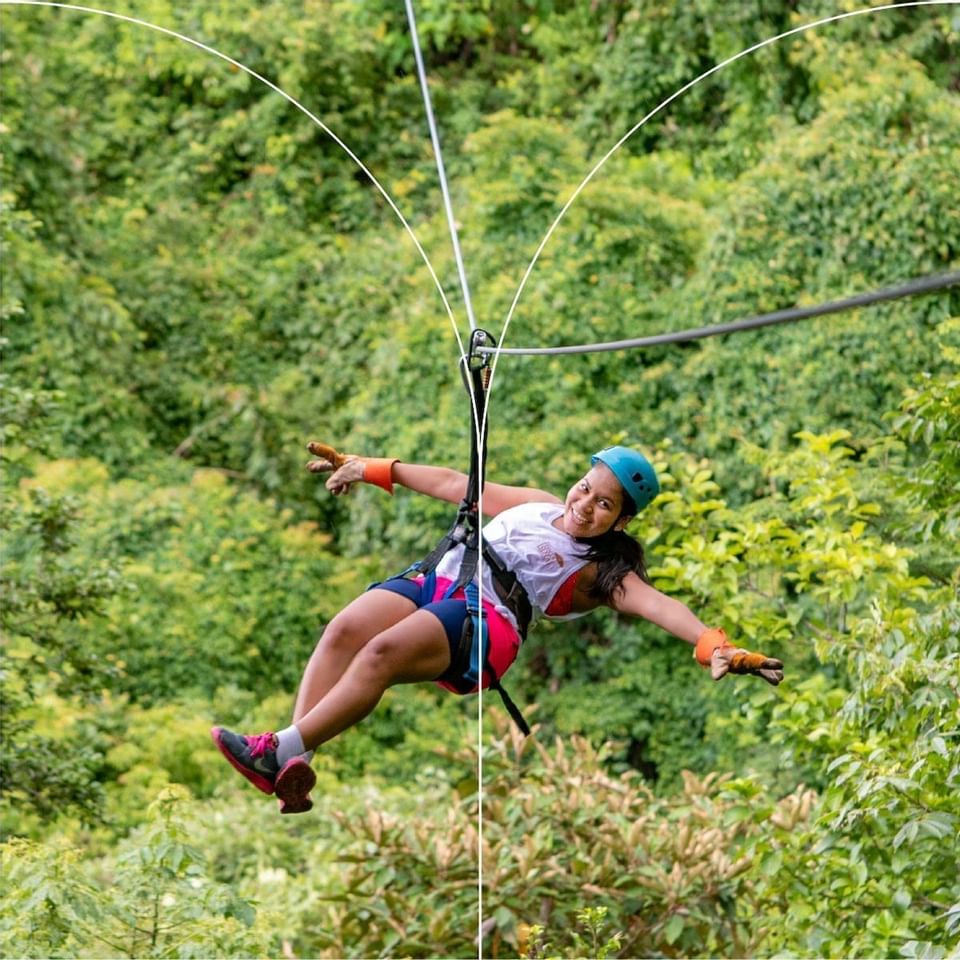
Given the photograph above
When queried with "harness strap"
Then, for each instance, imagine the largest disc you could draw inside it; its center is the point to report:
(467, 668)
(509, 589)
(510, 706)
(474, 645)
(468, 563)
(480, 628)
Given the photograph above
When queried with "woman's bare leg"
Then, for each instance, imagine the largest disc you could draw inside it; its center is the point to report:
(414, 649)
(347, 633)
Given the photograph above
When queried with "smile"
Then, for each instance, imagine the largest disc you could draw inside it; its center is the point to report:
(578, 517)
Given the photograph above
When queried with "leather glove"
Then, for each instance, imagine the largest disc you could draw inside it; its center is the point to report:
(715, 651)
(347, 469)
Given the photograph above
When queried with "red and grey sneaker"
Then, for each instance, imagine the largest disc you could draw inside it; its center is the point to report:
(256, 758)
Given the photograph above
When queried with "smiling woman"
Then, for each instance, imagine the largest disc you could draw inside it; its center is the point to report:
(567, 557)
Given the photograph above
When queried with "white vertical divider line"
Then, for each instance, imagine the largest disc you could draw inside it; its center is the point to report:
(478, 423)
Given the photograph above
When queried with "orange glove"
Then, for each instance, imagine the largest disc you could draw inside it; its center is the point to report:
(348, 469)
(715, 651)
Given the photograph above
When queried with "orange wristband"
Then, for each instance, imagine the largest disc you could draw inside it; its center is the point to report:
(708, 641)
(378, 470)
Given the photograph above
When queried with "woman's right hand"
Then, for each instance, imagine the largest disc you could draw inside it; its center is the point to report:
(344, 470)
(348, 469)
(343, 478)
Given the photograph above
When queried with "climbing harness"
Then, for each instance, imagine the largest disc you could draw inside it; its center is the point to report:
(470, 659)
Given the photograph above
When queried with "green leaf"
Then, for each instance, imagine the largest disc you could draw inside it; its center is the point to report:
(673, 929)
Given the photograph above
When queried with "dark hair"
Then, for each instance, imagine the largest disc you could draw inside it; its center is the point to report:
(616, 554)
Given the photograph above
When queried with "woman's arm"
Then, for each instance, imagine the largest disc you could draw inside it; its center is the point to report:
(498, 497)
(451, 485)
(639, 599)
(712, 649)
(441, 483)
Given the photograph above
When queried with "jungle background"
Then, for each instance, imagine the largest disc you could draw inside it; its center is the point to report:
(196, 281)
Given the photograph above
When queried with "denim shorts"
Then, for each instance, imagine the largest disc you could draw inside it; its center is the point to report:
(452, 613)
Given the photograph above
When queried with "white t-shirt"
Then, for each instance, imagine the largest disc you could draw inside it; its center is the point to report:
(541, 556)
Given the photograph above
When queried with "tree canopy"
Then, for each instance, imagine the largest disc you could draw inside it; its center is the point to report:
(197, 280)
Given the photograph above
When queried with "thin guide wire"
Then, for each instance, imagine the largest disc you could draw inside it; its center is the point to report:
(441, 171)
(286, 96)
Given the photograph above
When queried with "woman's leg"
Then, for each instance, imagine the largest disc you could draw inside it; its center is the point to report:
(414, 649)
(347, 633)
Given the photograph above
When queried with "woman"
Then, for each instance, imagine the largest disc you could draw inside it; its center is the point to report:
(570, 557)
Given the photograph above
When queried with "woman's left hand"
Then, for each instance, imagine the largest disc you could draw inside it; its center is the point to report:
(730, 659)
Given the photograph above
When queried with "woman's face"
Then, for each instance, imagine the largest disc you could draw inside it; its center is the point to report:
(593, 504)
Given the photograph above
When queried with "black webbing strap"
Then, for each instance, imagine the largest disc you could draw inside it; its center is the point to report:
(509, 589)
(475, 370)
(458, 533)
(510, 706)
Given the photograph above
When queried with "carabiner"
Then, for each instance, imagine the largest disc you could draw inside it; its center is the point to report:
(480, 338)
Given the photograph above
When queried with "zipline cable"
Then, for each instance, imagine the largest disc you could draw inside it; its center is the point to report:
(673, 96)
(286, 96)
(441, 172)
(912, 288)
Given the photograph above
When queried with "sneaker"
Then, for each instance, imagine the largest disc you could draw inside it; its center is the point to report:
(293, 785)
(256, 759)
(297, 800)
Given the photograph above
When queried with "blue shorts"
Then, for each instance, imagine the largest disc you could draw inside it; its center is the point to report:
(428, 594)
(451, 613)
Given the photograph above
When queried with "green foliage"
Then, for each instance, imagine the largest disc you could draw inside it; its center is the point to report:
(50, 592)
(196, 281)
(559, 829)
(156, 899)
(397, 875)
(66, 327)
(592, 943)
(619, 66)
(884, 843)
(850, 201)
(220, 587)
(929, 417)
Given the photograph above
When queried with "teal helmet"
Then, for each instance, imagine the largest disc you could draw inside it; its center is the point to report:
(633, 470)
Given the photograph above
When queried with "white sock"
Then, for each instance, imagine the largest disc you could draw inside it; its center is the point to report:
(289, 745)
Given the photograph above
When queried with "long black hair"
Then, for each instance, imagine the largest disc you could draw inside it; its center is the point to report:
(616, 554)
